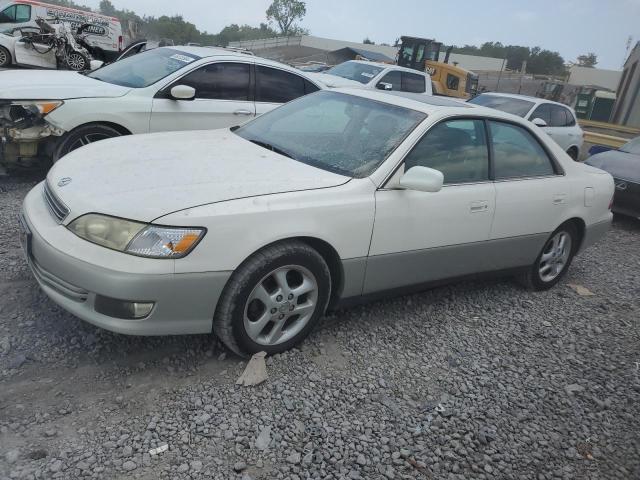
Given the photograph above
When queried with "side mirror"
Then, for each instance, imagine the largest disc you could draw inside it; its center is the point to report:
(384, 86)
(539, 122)
(183, 92)
(95, 64)
(423, 179)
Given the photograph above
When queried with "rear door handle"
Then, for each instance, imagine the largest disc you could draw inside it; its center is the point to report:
(479, 206)
(243, 112)
(559, 198)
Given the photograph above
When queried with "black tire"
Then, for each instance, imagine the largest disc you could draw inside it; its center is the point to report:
(532, 278)
(5, 58)
(573, 153)
(81, 136)
(228, 322)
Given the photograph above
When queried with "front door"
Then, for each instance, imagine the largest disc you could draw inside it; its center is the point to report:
(223, 99)
(420, 237)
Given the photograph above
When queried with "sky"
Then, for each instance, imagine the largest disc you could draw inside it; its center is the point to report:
(571, 27)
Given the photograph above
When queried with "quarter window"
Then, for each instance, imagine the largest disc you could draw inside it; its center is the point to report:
(571, 120)
(452, 82)
(412, 82)
(457, 148)
(220, 81)
(516, 153)
(277, 86)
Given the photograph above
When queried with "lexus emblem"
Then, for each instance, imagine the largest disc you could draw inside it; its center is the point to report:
(621, 185)
(64, 181)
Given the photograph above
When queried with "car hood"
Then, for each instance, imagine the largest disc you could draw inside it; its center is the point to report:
(333, 81)
(144, 177)
(53, 85)
(619, 164)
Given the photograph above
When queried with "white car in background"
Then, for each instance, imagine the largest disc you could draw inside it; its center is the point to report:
(50, 113)
(556, 119)
(332, 198)
(374, 75)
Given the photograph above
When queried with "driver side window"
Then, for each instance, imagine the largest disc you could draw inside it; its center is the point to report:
(457, 148)
(16, 14)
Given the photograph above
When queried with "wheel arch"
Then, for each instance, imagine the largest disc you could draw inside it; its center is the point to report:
(580, 227)
(328, 253)
(9, 55)
(576, 149)
(122, 130)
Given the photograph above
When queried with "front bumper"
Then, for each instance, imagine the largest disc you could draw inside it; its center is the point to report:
(184, 303)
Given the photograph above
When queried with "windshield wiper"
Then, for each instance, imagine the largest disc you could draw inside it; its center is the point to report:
(273, 148)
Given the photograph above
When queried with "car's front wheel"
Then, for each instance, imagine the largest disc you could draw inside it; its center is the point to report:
(81, 136)
(5, 57)
(554, 259)
(273, 299)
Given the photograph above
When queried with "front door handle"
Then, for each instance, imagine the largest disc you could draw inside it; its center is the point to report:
(479, 206)
(243, 112)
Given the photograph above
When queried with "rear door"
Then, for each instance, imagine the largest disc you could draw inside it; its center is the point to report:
(275, 86)
(532, 194)
(223, 99)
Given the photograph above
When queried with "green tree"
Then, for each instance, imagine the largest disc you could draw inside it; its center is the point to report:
(285, 13)
(107, 8)
(589, 60)
(368, 41)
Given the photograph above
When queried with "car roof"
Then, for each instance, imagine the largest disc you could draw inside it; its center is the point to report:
(429, 104)
(388, 65)
(211, 52)
(536, 100)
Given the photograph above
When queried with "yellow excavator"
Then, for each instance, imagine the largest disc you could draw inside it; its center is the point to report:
(424, 55)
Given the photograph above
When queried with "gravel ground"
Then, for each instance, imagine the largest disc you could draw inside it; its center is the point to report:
(475, 380)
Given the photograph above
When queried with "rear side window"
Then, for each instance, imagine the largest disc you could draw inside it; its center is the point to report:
(452, 82)
(571, 120)
(277, 86)
(412, 82)
(220, 81)
(457, 148)
(16, 14)
(517, 153)
(309, 87)
(394, 78)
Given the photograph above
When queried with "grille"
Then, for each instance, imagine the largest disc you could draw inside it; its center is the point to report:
(57, 208)
(70, 291)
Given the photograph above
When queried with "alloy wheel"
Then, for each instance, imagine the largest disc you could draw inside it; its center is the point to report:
(3, 57)
(87, 139)
(76, 61)
(555, 256)
(281, 305)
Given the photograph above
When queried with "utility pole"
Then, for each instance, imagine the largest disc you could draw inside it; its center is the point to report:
(500, 74)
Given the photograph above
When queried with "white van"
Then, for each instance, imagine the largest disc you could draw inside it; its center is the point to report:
(102, 34)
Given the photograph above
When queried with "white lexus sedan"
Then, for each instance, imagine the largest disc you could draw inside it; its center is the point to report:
(253, 232)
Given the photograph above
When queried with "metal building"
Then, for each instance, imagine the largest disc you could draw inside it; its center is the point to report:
(626, 111)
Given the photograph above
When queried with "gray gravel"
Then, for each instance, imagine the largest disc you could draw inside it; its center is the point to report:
(476, 380)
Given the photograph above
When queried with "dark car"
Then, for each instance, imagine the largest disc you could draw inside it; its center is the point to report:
(624, 165)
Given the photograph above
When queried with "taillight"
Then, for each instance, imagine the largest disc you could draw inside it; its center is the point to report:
(120, 42)
(611, 203)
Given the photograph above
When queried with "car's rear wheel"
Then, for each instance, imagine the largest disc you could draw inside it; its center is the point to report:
(273, 300)
(573, 153)
(83, 136)
(5, 57)
(554, 259)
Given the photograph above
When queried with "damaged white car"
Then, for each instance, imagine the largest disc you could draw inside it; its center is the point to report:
(46, 114)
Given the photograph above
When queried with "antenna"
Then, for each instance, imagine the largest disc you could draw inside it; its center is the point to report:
(627, 50)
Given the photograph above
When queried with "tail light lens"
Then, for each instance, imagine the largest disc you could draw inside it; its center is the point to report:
(120, 42)
(611, 203)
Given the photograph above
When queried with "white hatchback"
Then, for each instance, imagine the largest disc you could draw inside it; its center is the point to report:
(338, 196)
(556, 119)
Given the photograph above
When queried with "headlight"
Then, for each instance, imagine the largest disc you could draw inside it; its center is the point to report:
(34, 107)
(136, 238)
